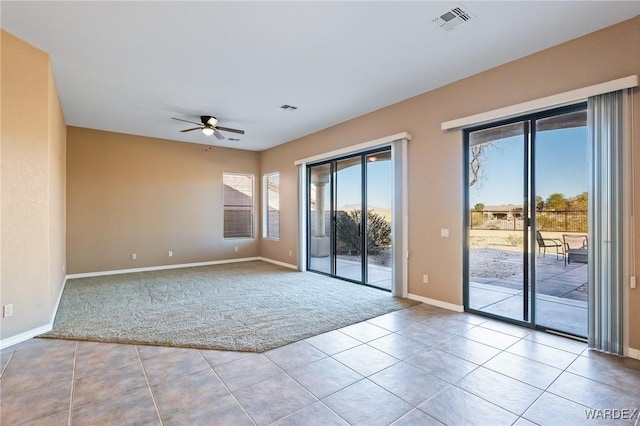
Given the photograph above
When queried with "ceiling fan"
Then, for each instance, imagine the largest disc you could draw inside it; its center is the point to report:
(209, 126)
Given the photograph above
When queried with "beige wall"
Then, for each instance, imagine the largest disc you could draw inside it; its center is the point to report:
(435, 158)
(131, 194)
(32, 188)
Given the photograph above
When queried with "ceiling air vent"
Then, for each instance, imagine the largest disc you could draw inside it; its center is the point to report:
(286, 107)
(452, 18)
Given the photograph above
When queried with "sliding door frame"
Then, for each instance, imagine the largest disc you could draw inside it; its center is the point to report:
(400, 231)
(333, 185)
(529, 202)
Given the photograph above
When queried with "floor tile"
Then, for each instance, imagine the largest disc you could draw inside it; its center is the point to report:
(364, 331)
(19, 407)
(553, 410)
(197, 399)
(558, 342)
(5, 356)
(295, 355)
(505, 392)
(448, 323)
(314, 414)
(47, 352)
(333, 342)
(354, 404)
(470, 350)
(524, 422)
(108, 384)
(506, 328)
(454, 406)
(608, 369)
(416, 314)
(173, 365)
(415, 418)
(593, 394)
(423, 333)
(215, 357)
(324, 377)
(525, 370)
(544, 354)
(391, 322)
(398, 346)
(95, 358)
(365, 360)
(490, 337)
(21, 377)
(409, 383)
(441, 365)
(274, 398)
(247, 371)
(136, 409)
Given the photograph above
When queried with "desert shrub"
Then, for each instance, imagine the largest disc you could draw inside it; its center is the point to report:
(514, 240)
(348, 231)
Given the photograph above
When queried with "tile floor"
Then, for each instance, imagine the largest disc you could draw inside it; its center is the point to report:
(419, 366)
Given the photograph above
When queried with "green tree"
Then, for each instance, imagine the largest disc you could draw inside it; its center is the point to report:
(539, 203)
(579, 202)
(479, 207)
(557, 202)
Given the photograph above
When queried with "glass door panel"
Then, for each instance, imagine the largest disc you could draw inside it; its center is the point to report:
(497, 231)
(561, 187)
(378, 238)
(348, 218)
(319, 219)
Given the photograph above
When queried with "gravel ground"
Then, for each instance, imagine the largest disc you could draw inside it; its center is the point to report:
(493, 263)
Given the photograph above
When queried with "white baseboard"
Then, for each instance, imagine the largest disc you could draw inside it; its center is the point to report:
(435, 302)
(276, 262)
(634, 353)
(160, 268)
(19, 338)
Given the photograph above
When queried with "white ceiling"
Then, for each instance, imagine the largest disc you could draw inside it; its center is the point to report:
(130, 66)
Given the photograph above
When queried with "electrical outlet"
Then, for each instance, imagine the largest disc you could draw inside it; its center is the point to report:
(170, 253)
(444, 232)
(425, 279)
(7, 310)
(235, 249)
(134, 256)
(290, 253)
(633, 282)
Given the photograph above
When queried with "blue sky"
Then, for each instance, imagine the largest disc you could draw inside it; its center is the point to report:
(379, 185)
(561, 166)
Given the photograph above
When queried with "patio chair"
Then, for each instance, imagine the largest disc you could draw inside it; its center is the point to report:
(575, 248)
(543, 243)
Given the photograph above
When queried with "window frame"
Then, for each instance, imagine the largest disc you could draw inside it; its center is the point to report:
(252, 208)
(265, 206)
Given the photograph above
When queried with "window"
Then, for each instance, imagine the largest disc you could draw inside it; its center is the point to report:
(271, 218)
(238, 205)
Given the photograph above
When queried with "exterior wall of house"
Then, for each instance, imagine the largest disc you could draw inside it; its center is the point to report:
(32, 180)
(131, 194)
(435, 157)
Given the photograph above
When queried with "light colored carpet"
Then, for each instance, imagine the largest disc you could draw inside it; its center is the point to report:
(247, 306)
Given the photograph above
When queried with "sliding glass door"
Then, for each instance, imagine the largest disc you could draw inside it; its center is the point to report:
(526, 222)
(349, 218)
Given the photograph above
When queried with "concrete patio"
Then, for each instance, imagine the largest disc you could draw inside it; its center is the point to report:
(561, 295)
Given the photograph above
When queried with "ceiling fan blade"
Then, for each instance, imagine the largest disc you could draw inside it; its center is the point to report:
(227, 129)
(218, 134)
(186, 121)
(190, 130)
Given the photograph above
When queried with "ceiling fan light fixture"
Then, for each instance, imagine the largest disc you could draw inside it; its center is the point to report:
(208, 131)
(212, 121)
